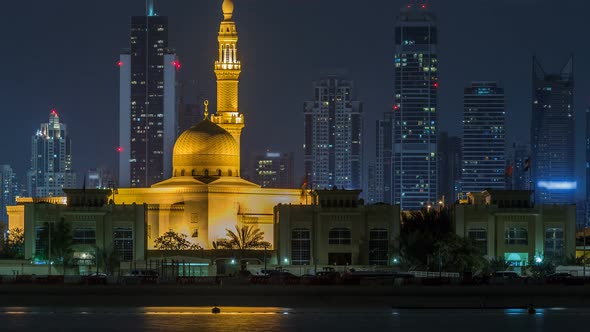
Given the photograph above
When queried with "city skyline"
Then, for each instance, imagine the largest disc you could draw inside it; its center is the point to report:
(197, 45)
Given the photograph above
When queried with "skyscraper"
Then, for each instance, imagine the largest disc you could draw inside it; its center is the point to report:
(484, 137)
(147, 103)
(274, 170)
(51, 159)
(450, 154)
(518, 167)
(384, 159)
(333, 135)
(189, 110)
(552, 135)
(10, 190)
(415, 108)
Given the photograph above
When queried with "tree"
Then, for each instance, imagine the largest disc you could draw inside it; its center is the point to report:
(419, 233)
(174, 241)
(60, 244)
(245, 237)
(13, 246)
(455, 253)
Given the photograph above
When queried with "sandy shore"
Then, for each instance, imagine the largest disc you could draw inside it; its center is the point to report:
(296, 296)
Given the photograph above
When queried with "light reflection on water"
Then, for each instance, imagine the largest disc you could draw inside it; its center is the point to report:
(284, 319)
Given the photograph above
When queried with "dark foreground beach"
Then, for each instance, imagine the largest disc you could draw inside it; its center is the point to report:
(296, 296)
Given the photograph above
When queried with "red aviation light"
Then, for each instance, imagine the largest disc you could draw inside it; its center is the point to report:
(423, 6)
(436, 84)
(176, 64)
(395, 107)
(53, 111)
(409, 6)
(119, 149)
(120, 63)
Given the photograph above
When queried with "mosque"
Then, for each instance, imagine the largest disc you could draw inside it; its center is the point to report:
(206, 194)
(204, 197)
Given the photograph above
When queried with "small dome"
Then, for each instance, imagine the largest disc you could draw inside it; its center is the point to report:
(206, 149)
(228, 9)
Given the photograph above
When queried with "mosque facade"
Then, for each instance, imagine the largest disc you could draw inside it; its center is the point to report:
(206, 194)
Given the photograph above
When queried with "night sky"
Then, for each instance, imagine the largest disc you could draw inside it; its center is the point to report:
(63, 54)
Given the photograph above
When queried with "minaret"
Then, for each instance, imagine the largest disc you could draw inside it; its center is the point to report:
(227, 70)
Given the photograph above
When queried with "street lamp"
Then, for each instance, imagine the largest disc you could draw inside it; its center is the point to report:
(265, 259)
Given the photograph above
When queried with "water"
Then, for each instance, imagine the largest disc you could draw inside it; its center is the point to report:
(289, 319)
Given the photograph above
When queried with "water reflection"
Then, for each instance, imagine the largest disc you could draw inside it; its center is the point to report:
(235, 319)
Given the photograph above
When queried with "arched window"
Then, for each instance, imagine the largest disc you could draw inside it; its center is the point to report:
(193, 173)
(479, 238)
(378, 246)
(300, 246)
(175, 172)
(229, 172)
(516, 235)
(206, 172)
(218, 172)
(554, 243)
(339, 236)
(182, 173)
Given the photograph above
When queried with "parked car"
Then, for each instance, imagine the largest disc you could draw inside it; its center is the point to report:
(558, 278)
(282, 278)
(141, 277)
(95, 278)
(506, 278)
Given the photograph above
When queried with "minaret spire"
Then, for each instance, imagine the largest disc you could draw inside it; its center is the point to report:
(227, 70)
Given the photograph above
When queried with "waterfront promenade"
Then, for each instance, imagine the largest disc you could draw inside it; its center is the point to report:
(297, 296)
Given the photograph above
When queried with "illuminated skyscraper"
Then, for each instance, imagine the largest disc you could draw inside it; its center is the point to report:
(415, 108)
(51, 160)
(484, 137)
(147, 102)
(9, 188)
(333, 135)
(552, 135)
(274, 170)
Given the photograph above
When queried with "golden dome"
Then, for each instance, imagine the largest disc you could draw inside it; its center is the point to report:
(228, 9)
(206, 149)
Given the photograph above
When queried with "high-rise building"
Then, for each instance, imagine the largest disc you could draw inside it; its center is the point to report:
(415, 108)
(384, 160)
(51, 159)
(450, 161)
(484, 137)
(10, 190)
(587, 152)
(147, 103)
(518, 167)
(372, 193)
(333, 135)
(189, 111)
(552, 135)
(274, 170)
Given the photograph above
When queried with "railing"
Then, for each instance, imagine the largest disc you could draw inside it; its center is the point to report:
(425, 274)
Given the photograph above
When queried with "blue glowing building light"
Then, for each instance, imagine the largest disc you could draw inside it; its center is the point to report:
(558, 185)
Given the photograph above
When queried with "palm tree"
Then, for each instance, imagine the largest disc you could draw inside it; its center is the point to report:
(245, 237)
